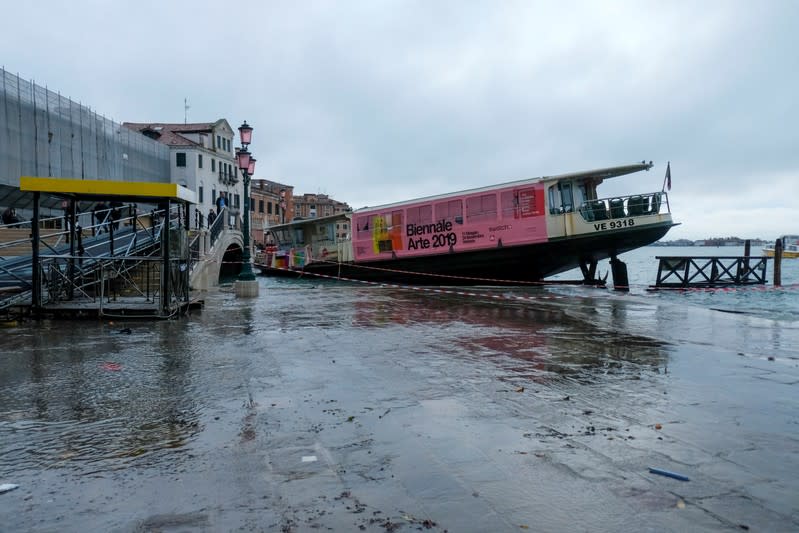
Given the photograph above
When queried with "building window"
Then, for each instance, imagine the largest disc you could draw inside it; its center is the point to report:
(199, 160)
(252, 205)
(219, 141)
(237, 201)
(180, 159)
(200, 190)
(268, 208)
(213, 196)
(213, 165)
(260, 206)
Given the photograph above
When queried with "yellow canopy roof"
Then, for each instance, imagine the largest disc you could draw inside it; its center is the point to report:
(131, 190)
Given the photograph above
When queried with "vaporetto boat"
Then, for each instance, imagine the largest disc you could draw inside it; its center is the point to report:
(516, 232)
(790, 247)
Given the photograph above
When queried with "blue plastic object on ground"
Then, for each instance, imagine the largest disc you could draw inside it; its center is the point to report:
(668, 474)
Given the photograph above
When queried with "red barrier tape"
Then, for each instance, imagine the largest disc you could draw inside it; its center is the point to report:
(650, 288)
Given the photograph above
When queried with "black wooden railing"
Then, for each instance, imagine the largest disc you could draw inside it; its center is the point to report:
(710, 271)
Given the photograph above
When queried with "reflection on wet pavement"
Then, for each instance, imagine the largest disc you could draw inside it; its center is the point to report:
(328, 406)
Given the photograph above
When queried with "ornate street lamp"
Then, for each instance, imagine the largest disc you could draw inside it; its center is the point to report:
(282, 206)
(245, 131)
(247, 166)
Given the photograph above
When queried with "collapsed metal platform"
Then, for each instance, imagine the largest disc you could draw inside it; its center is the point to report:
(140, 268)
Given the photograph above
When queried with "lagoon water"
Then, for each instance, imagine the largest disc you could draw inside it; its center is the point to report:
(779, 303)
(339, 406)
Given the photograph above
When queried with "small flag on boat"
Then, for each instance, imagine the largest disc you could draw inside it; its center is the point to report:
(667, 180)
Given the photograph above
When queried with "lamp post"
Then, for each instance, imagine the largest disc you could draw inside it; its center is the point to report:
(246, 285)
(282, 206)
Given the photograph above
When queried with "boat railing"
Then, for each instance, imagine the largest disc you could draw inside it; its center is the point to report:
(634, 205)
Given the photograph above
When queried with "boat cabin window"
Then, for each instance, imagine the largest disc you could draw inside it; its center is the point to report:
(396, 221)
(422, 214)
(326, 232)
(583, 193)
(481, 208)
(451, 210)
(387, 231)
(566, 199)
(362, 228)
(509, 201)
(561, 199)
(282, 236)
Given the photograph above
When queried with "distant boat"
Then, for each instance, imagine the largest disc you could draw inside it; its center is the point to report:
(790, 247)
(520, 231)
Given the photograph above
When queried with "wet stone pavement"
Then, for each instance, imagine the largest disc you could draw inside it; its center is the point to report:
(328, 407)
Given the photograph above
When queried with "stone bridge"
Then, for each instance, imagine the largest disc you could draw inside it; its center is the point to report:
(222, 257)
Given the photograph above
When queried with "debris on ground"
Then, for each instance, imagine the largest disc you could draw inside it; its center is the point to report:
(7, 487)
(668, 473)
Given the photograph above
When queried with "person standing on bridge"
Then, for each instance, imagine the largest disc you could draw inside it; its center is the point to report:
(100, 213)
(116, 213)
(10, 216)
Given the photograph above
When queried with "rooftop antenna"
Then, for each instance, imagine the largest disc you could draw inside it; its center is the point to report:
(186, 108)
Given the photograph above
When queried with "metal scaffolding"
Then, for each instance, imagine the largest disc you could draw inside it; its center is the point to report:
(45, 134)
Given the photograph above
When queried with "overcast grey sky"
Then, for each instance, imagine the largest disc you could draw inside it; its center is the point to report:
(381, 101)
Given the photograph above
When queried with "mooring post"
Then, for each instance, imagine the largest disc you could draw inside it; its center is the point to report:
(619, 269)
(747, 251)
(36, 273)
(778, 263)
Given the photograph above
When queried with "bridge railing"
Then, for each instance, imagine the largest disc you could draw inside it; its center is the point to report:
(217, 226)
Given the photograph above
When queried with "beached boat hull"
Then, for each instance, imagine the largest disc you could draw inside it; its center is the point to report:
(507, 265)
(510, 233)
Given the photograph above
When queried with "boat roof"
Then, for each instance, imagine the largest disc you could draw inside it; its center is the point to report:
(142, 191)
(599, 173)
(314, 220)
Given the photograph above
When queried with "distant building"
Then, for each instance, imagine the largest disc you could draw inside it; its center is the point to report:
(272, 203)
(321, 205)
(202, 159)
(722, 241)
